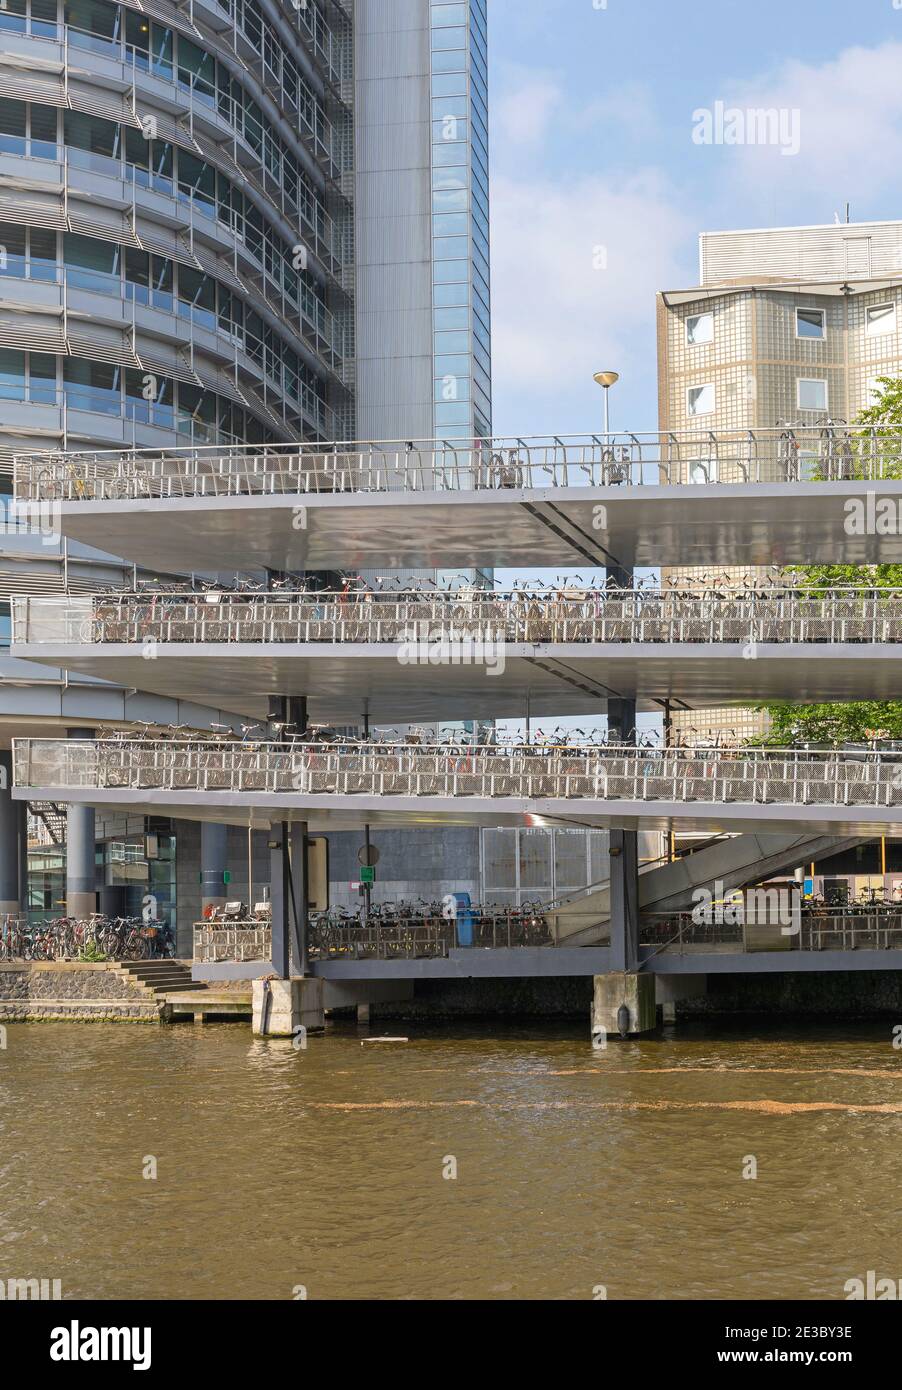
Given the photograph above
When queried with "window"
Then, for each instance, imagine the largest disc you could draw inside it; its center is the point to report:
(880, 319)
(12, 374)
(12, 16)
(700, 329)
(42, 254)
(92, 386)
(700, 400)
(452, 318)
(42, 377)
(812, 395)
(12, 240)
(811, 323)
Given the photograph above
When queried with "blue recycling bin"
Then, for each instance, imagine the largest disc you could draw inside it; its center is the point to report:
(464, 919)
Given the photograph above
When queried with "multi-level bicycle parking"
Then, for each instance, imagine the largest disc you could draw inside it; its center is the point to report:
(335, 656)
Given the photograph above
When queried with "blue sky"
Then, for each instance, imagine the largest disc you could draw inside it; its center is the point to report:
(599, 192)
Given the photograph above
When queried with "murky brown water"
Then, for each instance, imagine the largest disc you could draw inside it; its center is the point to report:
(324, 1168)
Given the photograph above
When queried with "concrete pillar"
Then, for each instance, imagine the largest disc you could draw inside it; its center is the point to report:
(670, 989)
(281, 1008)
(280, 898)
(9, 837)
(623, 1004)
(81, 872)
(214, 860)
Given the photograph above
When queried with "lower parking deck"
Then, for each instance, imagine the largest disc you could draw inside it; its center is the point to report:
(564, 962)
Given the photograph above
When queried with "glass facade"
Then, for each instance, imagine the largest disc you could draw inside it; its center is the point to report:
(236, 225)
(131, 867)
(529, 866)
(460, 220)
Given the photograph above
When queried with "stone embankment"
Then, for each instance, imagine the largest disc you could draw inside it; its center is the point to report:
(55, 991)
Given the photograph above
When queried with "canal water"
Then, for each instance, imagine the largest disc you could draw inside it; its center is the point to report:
(329, 1170)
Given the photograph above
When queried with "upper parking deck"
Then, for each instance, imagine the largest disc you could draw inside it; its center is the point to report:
(849, 792)
(824, 493)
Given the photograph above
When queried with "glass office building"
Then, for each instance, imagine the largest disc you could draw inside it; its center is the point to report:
(460, 220)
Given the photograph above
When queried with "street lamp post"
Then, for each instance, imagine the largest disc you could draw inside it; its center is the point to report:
(607, 380)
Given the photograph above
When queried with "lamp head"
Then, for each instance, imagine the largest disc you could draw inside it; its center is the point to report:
(606, 378)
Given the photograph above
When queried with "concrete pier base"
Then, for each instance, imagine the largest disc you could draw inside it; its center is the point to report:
(672, 989)
(623, 989)
(281, 1007)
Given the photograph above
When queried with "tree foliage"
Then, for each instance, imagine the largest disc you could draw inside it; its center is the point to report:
(793, 724)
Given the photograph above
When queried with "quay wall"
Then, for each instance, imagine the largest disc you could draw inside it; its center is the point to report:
(40, 991)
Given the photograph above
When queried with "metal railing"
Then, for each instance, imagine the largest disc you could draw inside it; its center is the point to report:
(759, 776)
(821, 453)
(386, 935)
(569, 616)
(875, 927)
(234, 943)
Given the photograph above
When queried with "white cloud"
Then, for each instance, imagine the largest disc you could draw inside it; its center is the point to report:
(524, 105)
(576, 265)
(851, 129)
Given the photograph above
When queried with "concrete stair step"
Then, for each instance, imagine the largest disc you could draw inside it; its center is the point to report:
(172, 980)
(147, 974)
(178, 987)
(157, 977)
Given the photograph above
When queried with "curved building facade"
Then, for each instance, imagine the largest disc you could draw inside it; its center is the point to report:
(175, 223)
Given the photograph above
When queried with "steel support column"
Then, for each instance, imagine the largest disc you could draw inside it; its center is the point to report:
(624, 844)
(624, 859)
(288, 861)
(81, 840)
(280, 898)
(22, 807)
(300, 900)
(9, 839)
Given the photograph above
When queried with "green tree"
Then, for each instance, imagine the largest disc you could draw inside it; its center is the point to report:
(843, 723)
